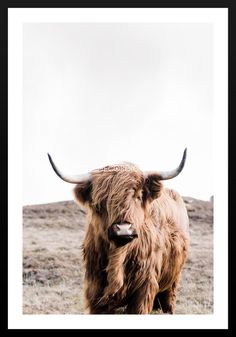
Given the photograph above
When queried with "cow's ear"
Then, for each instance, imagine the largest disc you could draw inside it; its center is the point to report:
(82, 192)
(153, 186)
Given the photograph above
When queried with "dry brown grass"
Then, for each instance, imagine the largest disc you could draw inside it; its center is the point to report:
(53, 273)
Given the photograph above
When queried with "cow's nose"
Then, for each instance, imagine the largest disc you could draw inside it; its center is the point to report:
(124, 229)
(122, 233)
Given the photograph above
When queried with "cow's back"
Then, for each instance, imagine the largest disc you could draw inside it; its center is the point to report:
(169, 216)
(170, 209)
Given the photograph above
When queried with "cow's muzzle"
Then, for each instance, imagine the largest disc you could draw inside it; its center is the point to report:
(122, 233)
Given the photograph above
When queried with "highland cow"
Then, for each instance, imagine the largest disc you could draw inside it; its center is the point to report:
(136, 240)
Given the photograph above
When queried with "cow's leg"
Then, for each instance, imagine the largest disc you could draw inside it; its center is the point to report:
(101, 310)
(141, 302)
(93, 303)
(168, 299)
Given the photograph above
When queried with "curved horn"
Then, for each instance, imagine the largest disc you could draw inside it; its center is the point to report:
(165, 175)
(73, 179)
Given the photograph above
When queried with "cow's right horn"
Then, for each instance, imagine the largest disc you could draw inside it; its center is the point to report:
(172, 174)
(165, 175)
(73, 179)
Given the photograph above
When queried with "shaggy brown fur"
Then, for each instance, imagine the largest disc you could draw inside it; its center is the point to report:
(145, 271)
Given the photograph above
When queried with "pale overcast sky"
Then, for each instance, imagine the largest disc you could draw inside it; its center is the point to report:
(102, 93)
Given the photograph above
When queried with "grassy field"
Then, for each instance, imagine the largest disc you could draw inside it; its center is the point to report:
(52, 264)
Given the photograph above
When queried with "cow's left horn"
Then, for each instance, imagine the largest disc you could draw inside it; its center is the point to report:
(73, 179)
(171, 174)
